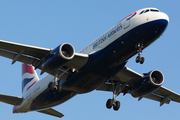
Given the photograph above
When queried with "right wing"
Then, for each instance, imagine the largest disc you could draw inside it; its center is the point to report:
(35, 56)
(52, 112)
(128, 76)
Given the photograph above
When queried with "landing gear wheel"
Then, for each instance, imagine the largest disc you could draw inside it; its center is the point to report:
(59, 88)
(138, 59)
(51, 86)
(116, 106)
(109, 103)
(142, 60)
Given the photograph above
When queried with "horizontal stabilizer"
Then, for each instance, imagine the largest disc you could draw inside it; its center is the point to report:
(10, 99)
(52, 112)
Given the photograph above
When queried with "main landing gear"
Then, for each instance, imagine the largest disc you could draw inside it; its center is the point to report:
(113, 102)
(139, 50)
(54, 86)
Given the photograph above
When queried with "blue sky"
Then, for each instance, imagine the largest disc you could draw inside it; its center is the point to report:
(48, 23)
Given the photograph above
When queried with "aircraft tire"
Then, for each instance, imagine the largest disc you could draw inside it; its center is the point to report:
(137, 59)
(109, 103)
(59, 88)
(116, 106)
(142, 60)
(51, 86)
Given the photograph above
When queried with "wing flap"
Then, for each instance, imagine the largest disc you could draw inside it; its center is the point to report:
(156, 98)
(10, 99)
(52, 112)
(162, 91)
(23, 59)
(29, 50)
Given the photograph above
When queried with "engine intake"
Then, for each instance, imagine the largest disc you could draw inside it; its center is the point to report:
(147, 84)
(66, 51)
(58, 57)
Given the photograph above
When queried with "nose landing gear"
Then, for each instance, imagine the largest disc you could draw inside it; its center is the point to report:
(139, 50)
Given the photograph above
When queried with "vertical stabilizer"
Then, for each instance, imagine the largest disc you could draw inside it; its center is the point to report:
(29, 77)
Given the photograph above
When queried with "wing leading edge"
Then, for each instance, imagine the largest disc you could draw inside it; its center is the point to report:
(128, 76)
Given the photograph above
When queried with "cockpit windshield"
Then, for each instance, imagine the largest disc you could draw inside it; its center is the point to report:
(148, 10)
(154, 10)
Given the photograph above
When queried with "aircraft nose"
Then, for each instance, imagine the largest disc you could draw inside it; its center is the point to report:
(163, 20)
(165, 17)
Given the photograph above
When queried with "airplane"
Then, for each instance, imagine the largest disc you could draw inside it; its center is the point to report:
(101, 65)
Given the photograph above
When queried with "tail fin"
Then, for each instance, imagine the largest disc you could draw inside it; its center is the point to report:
(29, 77)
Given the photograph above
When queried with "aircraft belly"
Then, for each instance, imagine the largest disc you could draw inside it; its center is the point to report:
(48, 99)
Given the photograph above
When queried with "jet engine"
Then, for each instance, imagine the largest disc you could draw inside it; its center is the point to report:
(147, 84)
(58, 57)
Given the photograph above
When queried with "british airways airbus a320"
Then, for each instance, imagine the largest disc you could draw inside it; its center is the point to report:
(100, 65)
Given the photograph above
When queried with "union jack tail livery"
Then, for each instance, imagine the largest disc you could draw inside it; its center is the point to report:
(29, 77)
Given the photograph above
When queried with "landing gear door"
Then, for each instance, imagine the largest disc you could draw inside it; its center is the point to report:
(127, 23)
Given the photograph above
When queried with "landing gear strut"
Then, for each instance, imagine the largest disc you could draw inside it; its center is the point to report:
(139, 50)
(55, 86)
(113, 102)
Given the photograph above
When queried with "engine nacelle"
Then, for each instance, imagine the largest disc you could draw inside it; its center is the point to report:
(150, 82)
(58, 57)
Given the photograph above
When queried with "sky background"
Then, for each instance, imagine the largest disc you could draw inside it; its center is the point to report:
(49, 23)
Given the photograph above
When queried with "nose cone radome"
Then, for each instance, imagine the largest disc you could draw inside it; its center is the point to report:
(162, 21)
(165, 16)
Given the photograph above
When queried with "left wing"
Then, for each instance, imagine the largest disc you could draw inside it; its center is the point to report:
(52, 112)
(128, 76)
(35, 55)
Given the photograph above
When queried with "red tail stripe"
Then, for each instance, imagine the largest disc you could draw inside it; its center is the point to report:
(32, 85)
(27, 69)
